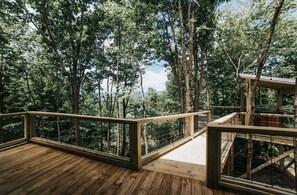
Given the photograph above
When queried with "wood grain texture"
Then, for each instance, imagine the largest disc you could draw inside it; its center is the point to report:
(36, 169)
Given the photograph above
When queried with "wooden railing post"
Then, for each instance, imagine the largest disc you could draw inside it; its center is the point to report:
(27, 122)
(32, 125)
(29, 125)
(213, 157)
(208, 117)
(191, 126)
(135, 145)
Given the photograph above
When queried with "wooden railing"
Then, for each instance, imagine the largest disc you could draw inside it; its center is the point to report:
(218, 152)
(35, 125)
(187, 129)
(19, 134)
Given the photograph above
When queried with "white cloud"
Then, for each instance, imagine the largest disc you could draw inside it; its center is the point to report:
(155, 80)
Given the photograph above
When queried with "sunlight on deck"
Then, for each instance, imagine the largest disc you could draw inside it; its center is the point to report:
(188, 161)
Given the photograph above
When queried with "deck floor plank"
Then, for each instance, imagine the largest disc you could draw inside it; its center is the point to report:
(166, 185)
(15, 150)
(13, 170)
(176, 186)
(23, 157)
(120, 181)
(145, 187)
(26, 176)
(66, 179)
(127, 183)
(83, 177)
(98, 179)
(51, 181)
(137, 182)
(156, 185)
(196, 187)
(48, 171)
(105, 186)
(186, 186)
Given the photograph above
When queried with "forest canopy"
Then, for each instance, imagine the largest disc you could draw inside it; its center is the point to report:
(90, 57)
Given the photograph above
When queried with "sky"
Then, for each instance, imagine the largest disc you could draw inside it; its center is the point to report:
(155, 77)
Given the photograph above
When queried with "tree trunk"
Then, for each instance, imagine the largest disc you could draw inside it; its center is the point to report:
(123, 150)
(184, 59)
(258, 75)
(144, 131)
(191, 55)
(75, 104)
(295, 138)
(118, 88)
(99, 97)
(177, 69)
(1, 96)
(264, 56)
(199, 82)
(125, 106)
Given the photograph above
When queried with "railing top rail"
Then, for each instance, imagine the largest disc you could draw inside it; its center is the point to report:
(224, 118)
(274, 131)
(105, 119)
(83, 117)
(12, 114)
(271, 115)
(171, 117)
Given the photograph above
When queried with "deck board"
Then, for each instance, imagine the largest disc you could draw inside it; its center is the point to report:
(56, 172)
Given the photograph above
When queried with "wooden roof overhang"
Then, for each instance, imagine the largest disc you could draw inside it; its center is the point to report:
(282, 84)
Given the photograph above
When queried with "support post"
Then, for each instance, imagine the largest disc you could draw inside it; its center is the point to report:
(27, 125)
(32, 125)
(213, 157)
(242, 103)
(248, 118)
(232, 160)
(208, 117)
(191, 127)
(281, 162)
(135, 145)
(248, 100)
(279, 100)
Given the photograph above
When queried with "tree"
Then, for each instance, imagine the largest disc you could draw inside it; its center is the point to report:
(70, 30)
(261, 63)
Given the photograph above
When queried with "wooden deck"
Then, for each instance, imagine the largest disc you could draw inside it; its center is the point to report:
(189, 160)
(35, 169)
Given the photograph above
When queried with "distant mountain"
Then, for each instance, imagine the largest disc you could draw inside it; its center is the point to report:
(139, 95)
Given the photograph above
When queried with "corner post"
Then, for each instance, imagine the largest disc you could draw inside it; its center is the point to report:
(29, 126)
(213, 162)
(135, 145)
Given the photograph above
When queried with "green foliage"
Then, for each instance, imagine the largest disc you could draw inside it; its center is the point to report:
(57, 53)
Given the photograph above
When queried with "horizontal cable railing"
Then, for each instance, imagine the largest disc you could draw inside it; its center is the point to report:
(162, 134)
(272, 161)
(107, 139)
(12, 127)
(114, 140)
